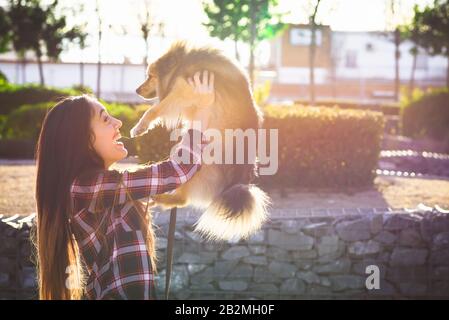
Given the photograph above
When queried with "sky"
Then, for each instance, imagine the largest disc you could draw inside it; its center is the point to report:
(183, 19)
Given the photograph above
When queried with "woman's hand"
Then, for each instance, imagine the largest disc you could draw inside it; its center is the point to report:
(204, 90)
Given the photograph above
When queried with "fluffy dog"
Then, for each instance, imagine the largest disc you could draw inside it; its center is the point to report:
(235, 208)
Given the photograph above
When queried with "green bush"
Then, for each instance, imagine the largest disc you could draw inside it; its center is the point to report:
(3, 119)
(262, 93)
(3, 79)
(386, 108)
(427, 116)
(13, 96)
(82, 89)
(324, 147)
(318, 146)
(25, 122)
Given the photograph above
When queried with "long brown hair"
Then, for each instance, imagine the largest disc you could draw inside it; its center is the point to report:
(64, 151)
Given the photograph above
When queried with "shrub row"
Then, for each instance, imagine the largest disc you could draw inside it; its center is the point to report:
(12, 96)
(427, 115)
(324, 147)
(318, 146)
(19, 130)
(392, 109)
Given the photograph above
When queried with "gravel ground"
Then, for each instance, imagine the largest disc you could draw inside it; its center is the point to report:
(17, 192)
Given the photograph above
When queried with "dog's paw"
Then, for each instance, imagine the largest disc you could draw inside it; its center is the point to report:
(138, 130)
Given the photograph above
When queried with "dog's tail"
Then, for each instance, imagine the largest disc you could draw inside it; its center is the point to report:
(236, 213)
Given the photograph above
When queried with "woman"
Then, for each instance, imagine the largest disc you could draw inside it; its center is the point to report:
(94, 239)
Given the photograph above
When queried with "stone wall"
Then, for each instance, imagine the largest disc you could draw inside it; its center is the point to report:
(292, 257)
(317, 257)
(17, 272)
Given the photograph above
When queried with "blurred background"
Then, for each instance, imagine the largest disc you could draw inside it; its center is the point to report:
(364, 50)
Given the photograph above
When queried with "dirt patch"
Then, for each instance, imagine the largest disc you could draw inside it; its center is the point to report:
(393, 192)
(17, 183)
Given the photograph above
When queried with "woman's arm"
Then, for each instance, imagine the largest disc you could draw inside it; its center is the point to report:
(99, 191)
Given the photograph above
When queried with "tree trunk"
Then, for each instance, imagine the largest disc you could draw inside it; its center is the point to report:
(334, 82)
(146, 55)
(252, 42)
(412, 76)
(237, 56)
(24, 64)
(447, 73)
(82, 74)
(99, 51)
(312, 24)
(396, 64)
(99, 65)
(251, 66)
(312, 64)
(99, 79)
(41, 70)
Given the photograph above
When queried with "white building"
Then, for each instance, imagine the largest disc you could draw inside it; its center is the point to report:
(118, 81)
(347, 65)
(370, 55)
(358, 65)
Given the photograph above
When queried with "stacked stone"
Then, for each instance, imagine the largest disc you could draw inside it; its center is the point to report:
(17, 272)
(321, 257)
(316, 257)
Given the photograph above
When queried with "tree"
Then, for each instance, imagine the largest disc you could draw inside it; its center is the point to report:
(313, 27)
(147, 24)
(257, 22)
(409, 32)
(431, 25)
(397, 37)
(37, 28)
(100, 34)
(5, 36)
(224, 23)
(27, 19)
(78, 37)
(5, 31)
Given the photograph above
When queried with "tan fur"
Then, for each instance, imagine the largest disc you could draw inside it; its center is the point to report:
(234, 107)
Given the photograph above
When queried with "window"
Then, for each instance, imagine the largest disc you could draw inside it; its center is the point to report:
(303, 37)
(351, 59)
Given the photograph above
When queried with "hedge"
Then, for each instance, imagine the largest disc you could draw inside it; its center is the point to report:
(24, 124)
(12, 96)
(427, 116)
(324, 147)
(386, 108)
(318, 146)
(3, 79)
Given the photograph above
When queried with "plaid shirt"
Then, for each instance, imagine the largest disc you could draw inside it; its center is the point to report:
(121, 269)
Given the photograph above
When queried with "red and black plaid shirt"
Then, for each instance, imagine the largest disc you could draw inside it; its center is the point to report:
(122, 268)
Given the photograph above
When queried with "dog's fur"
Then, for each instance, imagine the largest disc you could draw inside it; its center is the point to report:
(234, 207)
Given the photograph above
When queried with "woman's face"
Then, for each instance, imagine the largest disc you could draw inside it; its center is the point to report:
(106, 132)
